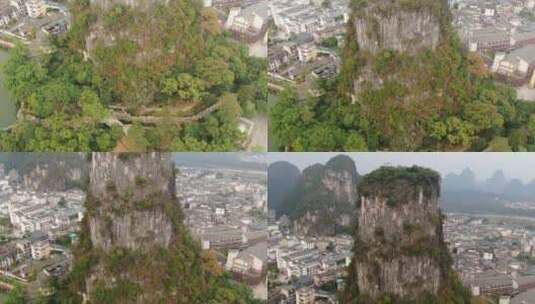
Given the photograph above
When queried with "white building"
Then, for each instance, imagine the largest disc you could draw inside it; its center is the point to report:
(300, 16)
(251, 261)
(519, 63)
(249, 25)
(29, 212)
(35, 8)
(489, 12)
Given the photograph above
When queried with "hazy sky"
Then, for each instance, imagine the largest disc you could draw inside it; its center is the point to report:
(514, 165)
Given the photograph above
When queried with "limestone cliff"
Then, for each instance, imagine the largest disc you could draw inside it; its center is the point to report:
(131, 191)
(382, 30)
(399, 245)
(406, 26)
(326, 196)
(341, 177)
(133, 246)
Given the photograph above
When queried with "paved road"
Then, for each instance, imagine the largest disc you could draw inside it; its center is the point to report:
(259, 136)
(525, 93)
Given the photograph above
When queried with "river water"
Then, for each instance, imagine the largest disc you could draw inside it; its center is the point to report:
(8, 111)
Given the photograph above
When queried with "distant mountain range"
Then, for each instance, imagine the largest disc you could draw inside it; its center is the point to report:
(498, 183)
(228, 160)
(319, 200)
(463, 193)
(47, 171)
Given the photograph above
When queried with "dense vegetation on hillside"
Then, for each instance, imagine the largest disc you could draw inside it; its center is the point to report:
(400, 184)
(165, 62)
(441, 99)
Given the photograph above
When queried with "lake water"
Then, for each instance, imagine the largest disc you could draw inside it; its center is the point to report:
(8, 111)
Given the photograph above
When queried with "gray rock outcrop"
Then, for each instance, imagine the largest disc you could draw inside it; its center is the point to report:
(391, 24)
(329, 194)
(129, 189)
(399, 244)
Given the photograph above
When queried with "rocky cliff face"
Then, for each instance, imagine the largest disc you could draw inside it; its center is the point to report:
(405, 26)
(327, 197)
(388, 225)
(112, 23)
(133, 235)
(341, 178)
(140, 183)
(139, 176)
(133, 245)
(399, 244)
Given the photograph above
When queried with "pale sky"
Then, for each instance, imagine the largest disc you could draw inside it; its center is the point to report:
(514, 165)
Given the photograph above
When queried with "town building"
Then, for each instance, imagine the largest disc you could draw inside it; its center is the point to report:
(35, 8)
(517, 66)
(39, 245)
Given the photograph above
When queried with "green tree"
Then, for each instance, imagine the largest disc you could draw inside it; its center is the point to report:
(16, 296)
(210, 21)
(91, 106)
(355, 142)
(531, 125)
(136, 139)
(189, 87)
(215, 72)
(22, 74)
(230, 107)
(246, 98)
(518, 140)
(287, 119)
(483, 116)
(453, 131)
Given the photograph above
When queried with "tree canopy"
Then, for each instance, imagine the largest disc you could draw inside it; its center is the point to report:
(67, 98)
